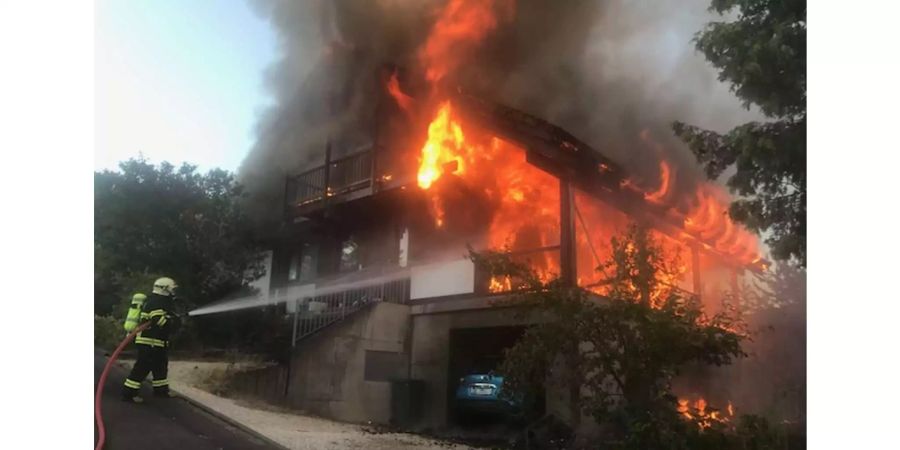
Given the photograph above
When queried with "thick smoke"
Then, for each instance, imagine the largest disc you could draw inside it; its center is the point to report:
(603, 70)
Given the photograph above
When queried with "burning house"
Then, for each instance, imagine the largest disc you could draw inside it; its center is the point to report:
(372, 266)
(370, 256)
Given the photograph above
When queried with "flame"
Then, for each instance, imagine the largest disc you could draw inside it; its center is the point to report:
(460, 26)
(445, 144)
(660, 194)
(393, 87)
(709, 219)
(596, 223)
(524, 201)
(524, 208)
(698, 413)
(502, 284)
(665, 170)
(484, 172)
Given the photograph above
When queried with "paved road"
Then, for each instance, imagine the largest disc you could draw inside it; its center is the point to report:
(163, 424)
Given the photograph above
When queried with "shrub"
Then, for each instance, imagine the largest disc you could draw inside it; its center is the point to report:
(108, 332)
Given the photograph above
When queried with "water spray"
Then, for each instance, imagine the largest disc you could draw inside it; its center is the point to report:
(294, 293)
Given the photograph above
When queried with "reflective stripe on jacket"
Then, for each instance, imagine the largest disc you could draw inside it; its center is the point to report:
(157, 310)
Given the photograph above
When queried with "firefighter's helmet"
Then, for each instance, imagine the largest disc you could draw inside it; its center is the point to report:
(164, 286)
(138, 298)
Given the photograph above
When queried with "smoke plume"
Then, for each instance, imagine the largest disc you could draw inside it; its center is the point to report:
(606, 71)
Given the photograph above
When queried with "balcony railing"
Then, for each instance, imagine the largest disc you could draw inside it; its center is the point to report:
(333, 179)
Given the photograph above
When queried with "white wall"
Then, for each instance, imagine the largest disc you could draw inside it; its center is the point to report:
(442, 278)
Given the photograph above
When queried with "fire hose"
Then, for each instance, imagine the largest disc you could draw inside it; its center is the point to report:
(98, 415)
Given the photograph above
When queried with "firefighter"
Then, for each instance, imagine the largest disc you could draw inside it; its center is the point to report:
(134, 312)
(153, 343)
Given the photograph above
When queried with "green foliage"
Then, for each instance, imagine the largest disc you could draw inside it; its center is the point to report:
(618, 354)
(762, 54)
(671, 432)
(158, 220)
(782, 287)
(108, 332)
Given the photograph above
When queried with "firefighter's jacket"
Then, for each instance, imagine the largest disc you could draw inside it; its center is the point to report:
(134, 314)
(159, 311)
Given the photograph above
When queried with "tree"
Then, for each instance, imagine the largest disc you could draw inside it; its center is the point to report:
(615, 355)
(151, 221)
(762, 54)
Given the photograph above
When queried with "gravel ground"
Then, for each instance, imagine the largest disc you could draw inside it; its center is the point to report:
(292, 430)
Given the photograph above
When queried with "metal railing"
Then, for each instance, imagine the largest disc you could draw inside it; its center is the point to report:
(337, 177)
(306, 187)
(315, 313)
(350, 173)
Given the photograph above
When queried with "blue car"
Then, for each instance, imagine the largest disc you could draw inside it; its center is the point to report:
(483, 393)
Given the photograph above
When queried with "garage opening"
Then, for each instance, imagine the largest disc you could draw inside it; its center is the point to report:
(475, 357)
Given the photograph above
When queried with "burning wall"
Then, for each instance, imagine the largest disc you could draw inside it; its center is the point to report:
(478, 183)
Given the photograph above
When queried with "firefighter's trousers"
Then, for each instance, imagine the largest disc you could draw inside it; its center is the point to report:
(149, 359)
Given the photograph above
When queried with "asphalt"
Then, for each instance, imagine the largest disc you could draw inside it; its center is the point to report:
(162, 424)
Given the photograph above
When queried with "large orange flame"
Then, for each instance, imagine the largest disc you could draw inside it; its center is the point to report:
(445, 144)
(524, 200)
(524, 207)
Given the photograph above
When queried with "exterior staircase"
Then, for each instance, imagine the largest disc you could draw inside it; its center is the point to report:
(314, 314)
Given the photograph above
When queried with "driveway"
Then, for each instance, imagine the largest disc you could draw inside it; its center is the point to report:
(162, 424)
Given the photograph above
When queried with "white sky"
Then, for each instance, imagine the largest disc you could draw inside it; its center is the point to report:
(180, 81)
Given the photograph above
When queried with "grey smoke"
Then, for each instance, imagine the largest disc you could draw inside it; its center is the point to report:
(603, 70)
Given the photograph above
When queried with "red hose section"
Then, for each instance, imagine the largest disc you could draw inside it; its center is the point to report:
(98, 415)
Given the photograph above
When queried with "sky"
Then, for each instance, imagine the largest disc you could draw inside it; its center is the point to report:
(179, 81)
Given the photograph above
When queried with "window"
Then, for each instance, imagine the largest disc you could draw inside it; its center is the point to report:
(294, 267)
(308, 264)
(302, 266)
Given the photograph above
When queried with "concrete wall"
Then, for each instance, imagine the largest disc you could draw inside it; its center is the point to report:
(327, 370)
(327, 373)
